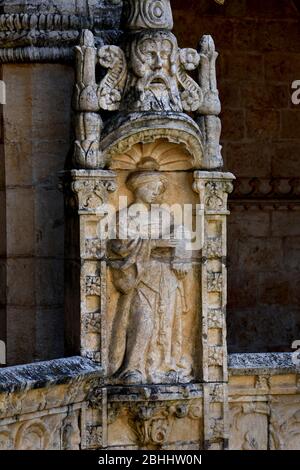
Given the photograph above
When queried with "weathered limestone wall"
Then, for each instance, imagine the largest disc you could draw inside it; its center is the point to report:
(259, 45)
(60, 405)
(37, 134)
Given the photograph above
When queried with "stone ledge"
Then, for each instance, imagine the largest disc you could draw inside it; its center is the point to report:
(44, 374)
(262, 364)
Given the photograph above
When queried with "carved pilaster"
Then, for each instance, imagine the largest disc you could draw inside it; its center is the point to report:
(87, 192)
(213, 189)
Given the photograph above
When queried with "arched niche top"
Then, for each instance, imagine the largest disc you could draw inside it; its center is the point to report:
(173, 140)
(167, 155)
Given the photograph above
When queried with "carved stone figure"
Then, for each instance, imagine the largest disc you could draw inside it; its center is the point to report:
(71, 433)
(210, 108)
(153, 77)
(149, 273)
(85, 102)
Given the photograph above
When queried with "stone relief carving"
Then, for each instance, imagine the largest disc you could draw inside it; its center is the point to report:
(112, 86)
(152, 422)
(70, 433)
(86, 103)
(266, 192)
(153, 70)
(216, 195)
(94, 248)
(6, 440)
(214, 282)
(147, 73)
(215, 356)
(213, 248)
(94, 437)
(32, 436)
(146, 344)
(151, 427)
(215, 318)
(285, 423)
(249, 426)
(210, 107)
(93, 285)
(91, 193)
(168, 156)
(172, 129)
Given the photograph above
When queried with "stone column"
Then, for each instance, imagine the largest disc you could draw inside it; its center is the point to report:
(213, 189)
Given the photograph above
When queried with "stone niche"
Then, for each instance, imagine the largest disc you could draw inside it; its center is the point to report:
(147, 303)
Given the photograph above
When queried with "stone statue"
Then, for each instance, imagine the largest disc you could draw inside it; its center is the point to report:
(149, 273)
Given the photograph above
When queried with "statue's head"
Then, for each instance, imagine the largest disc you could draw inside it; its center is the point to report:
(147, 186)
(154, 62)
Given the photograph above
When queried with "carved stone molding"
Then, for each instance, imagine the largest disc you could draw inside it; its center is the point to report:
(48, 31)
(249, 426)
(266, 192)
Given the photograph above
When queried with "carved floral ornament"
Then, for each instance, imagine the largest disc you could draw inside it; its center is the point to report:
(151, 423)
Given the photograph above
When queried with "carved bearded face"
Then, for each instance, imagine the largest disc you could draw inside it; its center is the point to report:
(155, 63)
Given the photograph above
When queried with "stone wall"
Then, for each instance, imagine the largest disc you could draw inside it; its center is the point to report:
(259, 45)
(37, 51)
(37, 136)
(62, 405)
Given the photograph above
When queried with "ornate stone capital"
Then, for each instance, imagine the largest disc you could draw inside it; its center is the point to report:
(91, 188)
(213, 188)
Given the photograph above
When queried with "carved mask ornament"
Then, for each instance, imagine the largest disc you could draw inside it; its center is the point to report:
(154, 59)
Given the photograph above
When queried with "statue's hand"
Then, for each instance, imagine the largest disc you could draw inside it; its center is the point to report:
(181, 270)
(170, 243)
